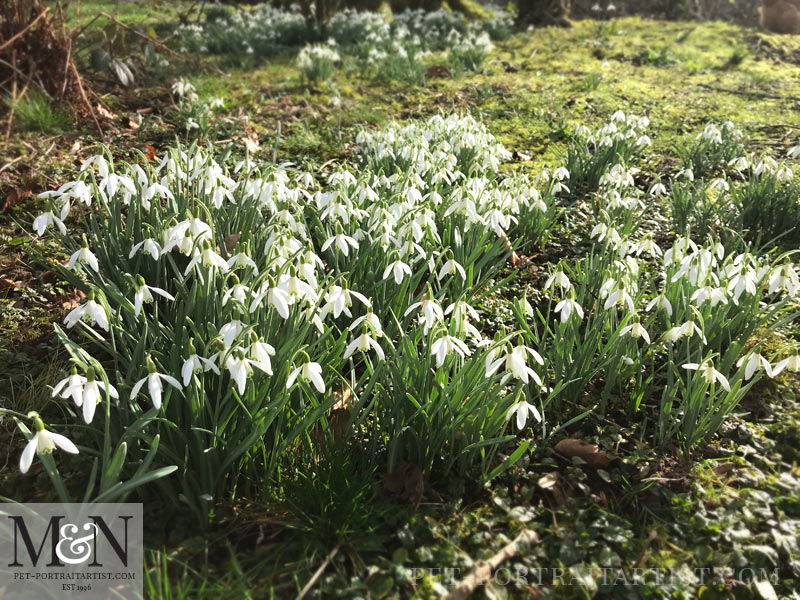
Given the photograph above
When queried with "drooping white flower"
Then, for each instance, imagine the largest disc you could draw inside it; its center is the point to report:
(144, 294)
(242, 260)
(196, 363)
(84, 255)
(687, 329)
(709, 373)
(431, 312)
(343, 243)
(567, 307)
(43, 442)
(755, 361)
(560, 279)
(339, 299)
(448, 344)
(259, 353)
(209, 259)
(399, 269)
(370, 320)
(153, 379)
(516, 364)
(451, 266)
(276, 297)
(45, 220)
(636, 330)
(662, 302)
(363, 343)
(522, 410)
(90, 309)
(309, 371)
(150, 246)
(792, 363)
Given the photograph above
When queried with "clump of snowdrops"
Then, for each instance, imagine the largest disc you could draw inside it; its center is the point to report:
(230, 309)
(236, 313)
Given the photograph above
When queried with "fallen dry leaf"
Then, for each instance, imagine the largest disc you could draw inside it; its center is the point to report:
(231, 241)
(15, 196)
(589, 453)
(406, 482)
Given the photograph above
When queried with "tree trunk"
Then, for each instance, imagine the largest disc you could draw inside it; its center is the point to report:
(543, 13)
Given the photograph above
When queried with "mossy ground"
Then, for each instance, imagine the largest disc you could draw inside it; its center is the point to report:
(737, 503)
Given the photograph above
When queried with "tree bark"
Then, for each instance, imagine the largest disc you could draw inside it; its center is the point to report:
(543, 13)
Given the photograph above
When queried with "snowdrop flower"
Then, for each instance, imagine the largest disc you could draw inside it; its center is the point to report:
(230, 331)
(792, 363)
(567, 307)
(363, 343)
(71, 386)
(661, 302)
(85, 392)
(84, 255)
(618, 297)
(648, 246)
(431, 312)
(451, 266)
(636, 330)
(709, 373)
(339, 300)
(309, 371)
(154, 384)
(239, 292)
(149, 245)
(399, 269)
(369, 320)
(89, 309)
(754, 362)
(448, 344)
(45, 220)
(688, 329)
(714, 295)
(297, 289)
(196, 363)
(260, 353)
(276, 297)
(515, 363)
(784, 277)
(144, 294)
(343, 242)
(558, 278)
(240, 368)
(43, 442)
(242, 260)
(207, 258)
(522, 409)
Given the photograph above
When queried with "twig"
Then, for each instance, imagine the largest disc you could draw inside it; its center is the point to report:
(484, 569)
(11, 40)
(318, 573)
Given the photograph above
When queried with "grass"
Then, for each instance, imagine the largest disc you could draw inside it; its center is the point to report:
(35, 112)
(651, 510)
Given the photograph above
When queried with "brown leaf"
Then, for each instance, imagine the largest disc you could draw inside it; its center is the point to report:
(338, 423)
(590, 453)
(406, 482)
(437, 72)
(231, 241)
(15, 196)
(723, 468)
(6, 283)
(133, 124)
(70, 301)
